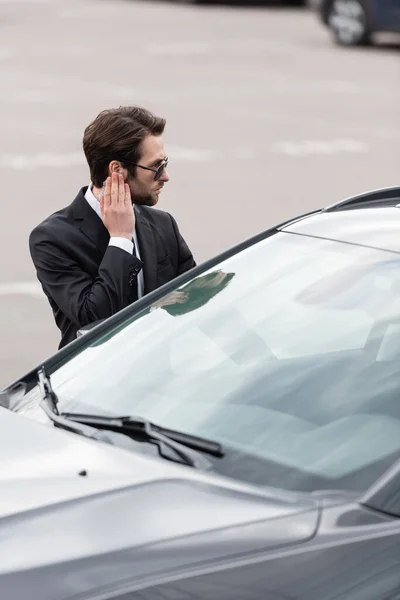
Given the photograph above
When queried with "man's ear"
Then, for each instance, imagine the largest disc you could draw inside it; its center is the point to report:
(115, 167)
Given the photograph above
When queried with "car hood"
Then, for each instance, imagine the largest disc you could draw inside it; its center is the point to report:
(121, 514)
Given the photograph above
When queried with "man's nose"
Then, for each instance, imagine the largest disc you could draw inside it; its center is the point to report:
(165, 176)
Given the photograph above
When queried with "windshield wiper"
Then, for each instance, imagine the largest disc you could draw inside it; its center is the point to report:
(49, 397)
(137, 427)
(183, 445)
(49, 402)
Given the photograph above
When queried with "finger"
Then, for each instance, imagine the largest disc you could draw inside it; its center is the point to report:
(107, 193)
(121, 189)
(128, 199)
(114, 189)
(102, 205)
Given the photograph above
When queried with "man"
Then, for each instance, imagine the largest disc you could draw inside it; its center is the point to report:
(109, 247)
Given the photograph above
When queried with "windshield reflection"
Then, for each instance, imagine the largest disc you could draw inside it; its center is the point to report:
(287, 355)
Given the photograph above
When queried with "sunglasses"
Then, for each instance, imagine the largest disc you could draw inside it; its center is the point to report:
(158, 172)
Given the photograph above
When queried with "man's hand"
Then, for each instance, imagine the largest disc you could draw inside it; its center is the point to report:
(116, 208)
(177, 297)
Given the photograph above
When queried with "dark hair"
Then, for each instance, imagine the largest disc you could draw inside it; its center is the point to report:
(117, 134)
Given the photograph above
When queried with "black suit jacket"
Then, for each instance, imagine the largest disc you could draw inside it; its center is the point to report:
(85, 279)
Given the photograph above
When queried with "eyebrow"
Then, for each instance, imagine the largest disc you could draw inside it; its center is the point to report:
(157, 161)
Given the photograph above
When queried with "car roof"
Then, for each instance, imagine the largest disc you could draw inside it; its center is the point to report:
(371, 219)
(372, 227)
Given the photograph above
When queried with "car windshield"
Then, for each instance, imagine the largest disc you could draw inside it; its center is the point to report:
(287, 354)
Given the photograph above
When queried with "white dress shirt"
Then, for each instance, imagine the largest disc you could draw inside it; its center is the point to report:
(118, 242)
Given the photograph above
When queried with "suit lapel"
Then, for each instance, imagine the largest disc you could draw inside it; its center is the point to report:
(89, 222)
(147, 249)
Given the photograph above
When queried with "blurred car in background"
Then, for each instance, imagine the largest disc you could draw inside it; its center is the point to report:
(234, 435)
(354, 22)
(245, 2)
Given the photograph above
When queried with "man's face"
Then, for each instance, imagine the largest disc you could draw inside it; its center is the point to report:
(144, 190)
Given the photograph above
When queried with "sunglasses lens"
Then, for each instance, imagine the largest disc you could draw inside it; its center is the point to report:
(160, 170)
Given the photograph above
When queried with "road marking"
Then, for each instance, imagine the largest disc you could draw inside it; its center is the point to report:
(177, 48)
(302, 148)
(321, 147)
(22, 288)
(23, 162)
(5, 54)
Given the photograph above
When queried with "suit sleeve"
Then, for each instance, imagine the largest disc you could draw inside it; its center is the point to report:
(185, 257)
(83, 299)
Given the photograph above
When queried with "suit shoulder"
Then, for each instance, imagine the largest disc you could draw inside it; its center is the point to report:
(156, 215)
(50, 226)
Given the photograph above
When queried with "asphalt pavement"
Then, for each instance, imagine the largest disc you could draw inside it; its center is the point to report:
(267, 119)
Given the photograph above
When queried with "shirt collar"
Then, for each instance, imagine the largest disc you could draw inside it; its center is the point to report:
(92, 200)
(95, 204)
